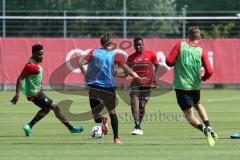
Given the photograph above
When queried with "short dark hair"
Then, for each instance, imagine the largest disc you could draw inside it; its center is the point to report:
(36, 48)
(194, 32)
(137, 39)
(106, 39)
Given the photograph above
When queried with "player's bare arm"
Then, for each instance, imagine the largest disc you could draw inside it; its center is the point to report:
(131, 72)
(81, 63)
(18, 85)
(160, 70)
(122, 73)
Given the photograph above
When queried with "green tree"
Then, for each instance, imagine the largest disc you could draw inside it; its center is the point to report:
(219, 31)
(152, 28)
(92, 28)
(209, 5)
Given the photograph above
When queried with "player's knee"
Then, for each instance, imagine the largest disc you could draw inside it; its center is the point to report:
(143, 103)
(112, 112)
(113, 115)
(196, 106)
(188, 115)
(54, 107)
(133, 103)
(141, 109)
(45, 111)
(190, 119)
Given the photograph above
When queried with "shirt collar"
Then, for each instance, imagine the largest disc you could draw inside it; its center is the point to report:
(193, 43)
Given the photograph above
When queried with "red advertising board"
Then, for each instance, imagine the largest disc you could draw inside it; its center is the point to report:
(14, 53)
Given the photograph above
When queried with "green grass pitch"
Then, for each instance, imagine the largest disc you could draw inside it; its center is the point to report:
(167, 135)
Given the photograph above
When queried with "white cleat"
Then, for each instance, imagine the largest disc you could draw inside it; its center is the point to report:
(137, 132)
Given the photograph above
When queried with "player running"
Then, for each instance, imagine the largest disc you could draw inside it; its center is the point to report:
(101, 82)
(142, 62)
(30, 82)
(187, 59)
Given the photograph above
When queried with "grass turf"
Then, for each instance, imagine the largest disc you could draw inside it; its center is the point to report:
(166, 134)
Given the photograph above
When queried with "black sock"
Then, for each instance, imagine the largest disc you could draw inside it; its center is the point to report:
(137, 124)
(68, 125)
(98, 119)
(141, 119)
(114, 123)
(32, 123)
(200, 127)
(207, 123)
(141, 115)
(42, 113)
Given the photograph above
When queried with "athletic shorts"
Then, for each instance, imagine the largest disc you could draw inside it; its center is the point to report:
(187, 99)
(42, 101)
(100, 97)
(143, 93)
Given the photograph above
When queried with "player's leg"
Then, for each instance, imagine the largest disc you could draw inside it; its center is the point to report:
(46, 104)
(186, 102)
(114, 124)
(189, 115)
(40, 114)
(203, 114)
(142, 106)
(28, 127)
(143, 100)
(134, 95)
(110, 103)
(200, 109)
(38, 101)
(61, 118)
(96, 104)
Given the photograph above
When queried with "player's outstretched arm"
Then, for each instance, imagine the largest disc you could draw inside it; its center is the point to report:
(120, 74)
(131, 72)
(18, 85)
(81, 63)
(85, 61)
(160, 70)
(207, 67)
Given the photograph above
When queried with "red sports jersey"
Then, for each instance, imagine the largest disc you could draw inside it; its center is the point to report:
(30, 68)
(142, 64)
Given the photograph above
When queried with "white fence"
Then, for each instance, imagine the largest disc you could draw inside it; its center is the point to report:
(64, 24)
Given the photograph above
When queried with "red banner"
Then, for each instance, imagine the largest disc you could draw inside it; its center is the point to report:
(14, 53)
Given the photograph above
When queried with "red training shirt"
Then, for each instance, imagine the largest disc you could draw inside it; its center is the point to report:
(30, 68)
(142, 64)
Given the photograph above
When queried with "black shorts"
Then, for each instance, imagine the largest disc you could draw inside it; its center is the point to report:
(100, 97)
(143, 93)
(42, 101)
(187, 99)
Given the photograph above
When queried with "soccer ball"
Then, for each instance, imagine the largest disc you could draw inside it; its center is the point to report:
(96, 132)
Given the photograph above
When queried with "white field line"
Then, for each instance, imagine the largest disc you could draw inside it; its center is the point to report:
(223, 99)
(77, 98)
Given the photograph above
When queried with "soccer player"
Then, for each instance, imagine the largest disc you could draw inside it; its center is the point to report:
(30, 82)
(101, 82)
(187, 59)
(142, 62)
